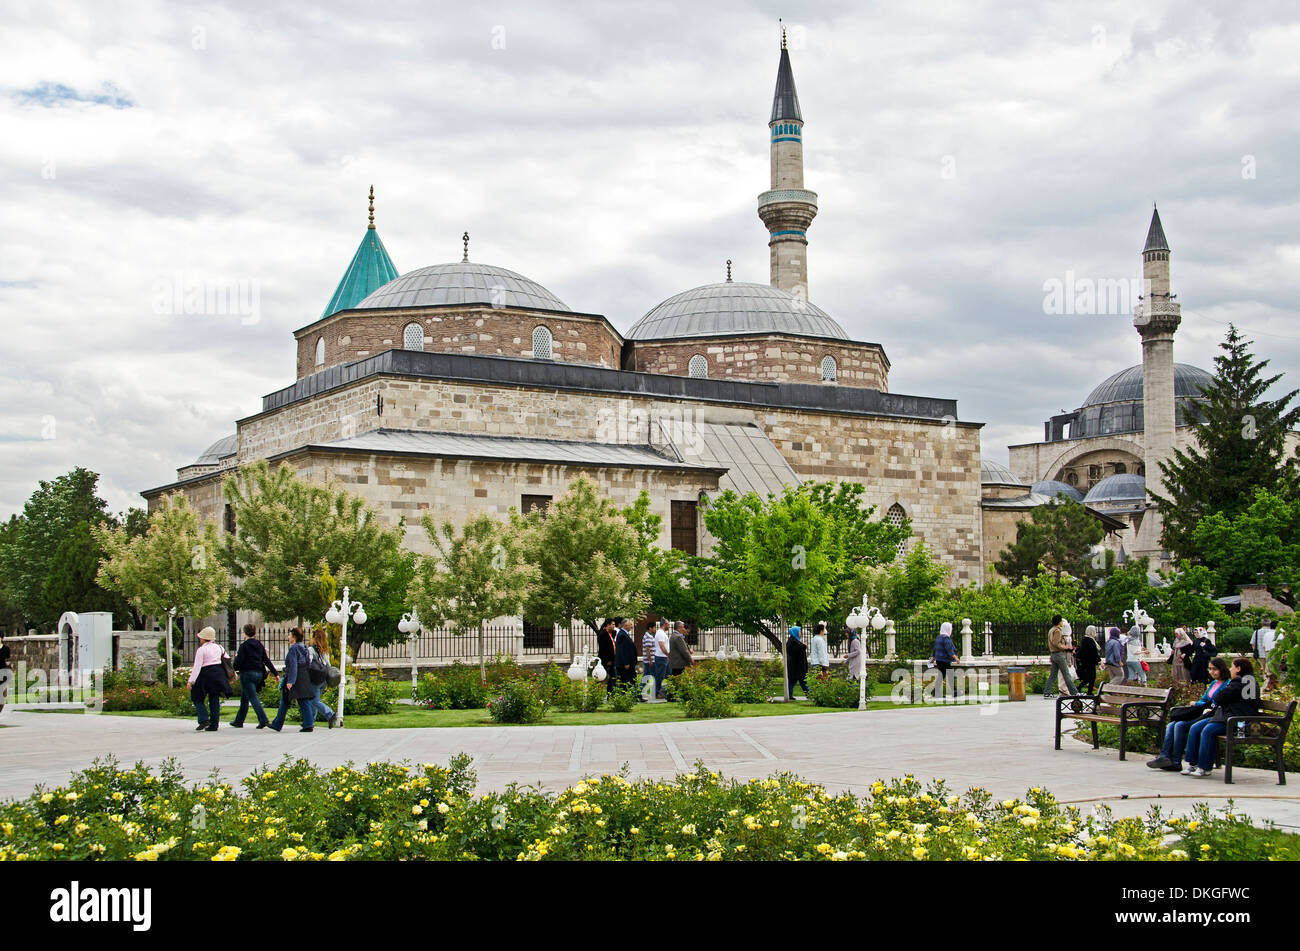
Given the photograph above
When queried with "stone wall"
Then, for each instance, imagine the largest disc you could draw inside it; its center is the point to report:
(37, 651)
(999, 532)
(351, 335)
(775, 357)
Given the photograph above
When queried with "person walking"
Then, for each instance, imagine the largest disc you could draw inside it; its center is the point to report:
(662, 644)
(1171, 753)
(624, 656)
(208, 681)
(1239, 697)
(1133, 656)
(819, 657)
(854, 657)
(252, 664)
(605, 651)
(679, 650)
(943, 654)
(1202, 650)
(320, 652)
(1179, 656)
(648, 654)
(1262, 643)
(1114, 656)
(296, 685)
(1058, 642)
(1087, 655)
(6, 675)
(796, 662)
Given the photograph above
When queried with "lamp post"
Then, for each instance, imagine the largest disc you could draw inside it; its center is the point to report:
(580, 669)
(410, 626)
(339, 613)
(859, 620)
(171, 616)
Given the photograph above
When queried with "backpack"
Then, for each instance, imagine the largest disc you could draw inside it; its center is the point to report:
(317, 670)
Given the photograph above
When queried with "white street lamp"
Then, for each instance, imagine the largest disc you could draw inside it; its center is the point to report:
(581, 667)
(410, 626)
(859, 620)
(339, 613)
(171, 616)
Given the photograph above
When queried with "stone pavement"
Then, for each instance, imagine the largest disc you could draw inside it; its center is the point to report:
(1005, 749)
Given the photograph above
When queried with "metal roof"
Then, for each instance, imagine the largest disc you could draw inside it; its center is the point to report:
(785, 102)
(371, 268)
(1156, 234)
(223, 448)
(506, 448)
(1126, 385)
(995, 473)
(463, 283)
(1122, 487)
(735, 307)
(752, 461)
(1051, 487)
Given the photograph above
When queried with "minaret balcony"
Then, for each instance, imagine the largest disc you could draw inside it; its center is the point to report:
(779, 195)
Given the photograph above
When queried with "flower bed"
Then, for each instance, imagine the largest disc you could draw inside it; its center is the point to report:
(297, 812)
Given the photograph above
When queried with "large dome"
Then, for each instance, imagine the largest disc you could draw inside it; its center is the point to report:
(463, 283)
(1123, 487)
(1126, 385)
(995, 473)
(1052, 488)
(223, 448)
(734, 307)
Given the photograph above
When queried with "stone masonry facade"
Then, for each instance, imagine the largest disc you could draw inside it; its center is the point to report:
(781, 358)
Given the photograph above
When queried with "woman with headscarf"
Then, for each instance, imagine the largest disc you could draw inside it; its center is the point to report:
(944, 655)
(1086, 657)
(1133, 659)
(853, 657)
(1202, 650)
(1114, 656)
(796, 662)
(208, 681)
(1180, 657)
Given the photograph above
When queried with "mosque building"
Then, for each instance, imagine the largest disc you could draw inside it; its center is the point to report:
(464, 387)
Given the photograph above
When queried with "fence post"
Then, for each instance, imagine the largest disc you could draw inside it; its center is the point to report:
(1209, 631)
(967, 641)
(988, 638)
(891, 641)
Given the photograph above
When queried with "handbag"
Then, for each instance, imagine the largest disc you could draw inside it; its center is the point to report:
(229, 668)
(333, 677)
(317, 670)
(1178, 714)
(1145, 668)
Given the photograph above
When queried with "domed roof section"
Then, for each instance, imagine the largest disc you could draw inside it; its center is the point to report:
(1052, 488)
(735, 307)
(1126, 385)
(221, 449)
(1123, 487)
(463, 283)
(995, 473)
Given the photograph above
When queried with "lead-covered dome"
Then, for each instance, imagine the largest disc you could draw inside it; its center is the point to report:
(463, 283)
(1126, 385)
(1123, 487)
(223, 448)
(995, 473)
(1052, 488)
(735, 307)
(1115, 405)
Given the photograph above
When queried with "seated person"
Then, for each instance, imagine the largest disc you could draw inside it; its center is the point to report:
(1239, 697)
(1171, 754)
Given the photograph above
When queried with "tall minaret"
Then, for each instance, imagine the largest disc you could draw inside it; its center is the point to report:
(1156, 318)
(788, 209)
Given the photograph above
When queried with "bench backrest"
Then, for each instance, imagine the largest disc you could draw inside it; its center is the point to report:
(1119, 693)
(1285, 709)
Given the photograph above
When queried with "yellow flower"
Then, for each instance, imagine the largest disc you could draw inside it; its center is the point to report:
(289, 854)
(117, 797)
(47, 797)
(57, 846)
(443, 808)
(919, 853)
(424, 802)
(148, 855)
(416, 810)
(823, 848)
(1193, 826)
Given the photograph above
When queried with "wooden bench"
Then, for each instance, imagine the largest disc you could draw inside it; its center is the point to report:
(1119, 704)
(1269, 728)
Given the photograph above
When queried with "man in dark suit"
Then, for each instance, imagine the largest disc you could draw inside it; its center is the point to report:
(625, 655)
(605, 651)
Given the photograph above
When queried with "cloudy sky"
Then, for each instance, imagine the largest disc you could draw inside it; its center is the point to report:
(965, 154)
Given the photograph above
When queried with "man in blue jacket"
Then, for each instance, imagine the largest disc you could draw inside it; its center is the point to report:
(296, 685)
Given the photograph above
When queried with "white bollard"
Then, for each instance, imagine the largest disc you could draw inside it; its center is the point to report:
(967, 642)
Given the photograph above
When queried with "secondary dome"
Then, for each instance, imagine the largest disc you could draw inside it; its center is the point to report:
(735, 307)
(1052, 488)
(463, 283)
(995, 473)
(1126, 385)
(1124, 487)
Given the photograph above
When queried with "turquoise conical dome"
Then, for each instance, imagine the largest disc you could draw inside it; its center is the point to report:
(371, 269)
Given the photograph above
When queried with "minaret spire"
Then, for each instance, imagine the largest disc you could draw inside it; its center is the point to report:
(788, 208)
(372, 208)
(465, 238)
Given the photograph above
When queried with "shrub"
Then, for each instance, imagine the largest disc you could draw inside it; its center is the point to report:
(368, 695)
(742, 681)
(1235, 639)
(457, 687)
(833, 692)
(517, 703)
(1036, 680)
(702, 696)
(149, 697)
(624, 697)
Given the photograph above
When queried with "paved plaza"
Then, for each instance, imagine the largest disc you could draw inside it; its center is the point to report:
(1005, 750)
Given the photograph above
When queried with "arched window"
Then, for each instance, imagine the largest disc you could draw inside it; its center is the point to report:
(829, 369)
(1072, 477)
(541, 343)
(698, 368)
(320, 351)
(895, 517)
(412, 337)
(1120, 468)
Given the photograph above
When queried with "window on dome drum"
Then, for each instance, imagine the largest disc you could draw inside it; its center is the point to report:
(412, 337)
(895, 517)
(698, 368)
(320, 352)
(1094, 473)
(683, 527)
(541, 344)
(829, 369)
(1072, 477)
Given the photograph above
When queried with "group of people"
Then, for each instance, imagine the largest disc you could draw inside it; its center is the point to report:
(306, 674)
(664, 653)
(1195, 729)
(815, 655)
(1121, 655)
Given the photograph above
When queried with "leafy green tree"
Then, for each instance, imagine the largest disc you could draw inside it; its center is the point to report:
(1240, 446)
(902, 587)
(475, 575)
(11, 614)
(72, 576)
(1261, 542)
(673, 583)
(1058, 538)
(589, 560)
(28, 562)
(176, 563)
(1185, 598)
(1034, 601)
(291, 530)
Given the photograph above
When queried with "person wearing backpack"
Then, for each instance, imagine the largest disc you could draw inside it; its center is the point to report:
(296, 685)
(318, 671)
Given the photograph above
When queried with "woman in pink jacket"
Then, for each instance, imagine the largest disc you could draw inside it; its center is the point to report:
(208, 681)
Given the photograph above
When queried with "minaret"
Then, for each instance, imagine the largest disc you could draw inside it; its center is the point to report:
(788, 209)
(1156, 318)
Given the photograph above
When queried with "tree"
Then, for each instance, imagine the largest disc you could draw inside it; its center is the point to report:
(1261, 543)
(29, 560)
(1034, 601)
(290, 531)
(902, 587)
(673, 584)
(1240, 445)
(588, 558)
(1185, 598)
(477, 574)
(176, 563)
(11, 614)
(1058, 538)
(72, 579)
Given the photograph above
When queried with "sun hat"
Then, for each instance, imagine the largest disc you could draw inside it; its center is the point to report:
(207, 634)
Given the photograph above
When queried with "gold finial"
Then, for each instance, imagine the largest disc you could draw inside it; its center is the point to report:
(778, 20)
(728, 270)
(465, 238)
(372, 208)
